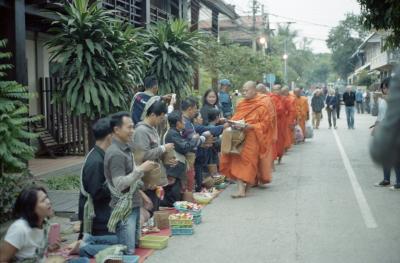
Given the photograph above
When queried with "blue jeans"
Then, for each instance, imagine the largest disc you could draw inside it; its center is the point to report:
(350, 116)
(386, 174)
(128, 231)
(94, 244)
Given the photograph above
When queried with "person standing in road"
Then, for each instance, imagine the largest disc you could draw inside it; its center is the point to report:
(317, 104)
(349, 98)
(359, 101)
(225, 99)
(338, 99)
(302, 109)
(382, 106)
(331, 108)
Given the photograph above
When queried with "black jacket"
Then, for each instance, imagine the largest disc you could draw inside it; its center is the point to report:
(349, 99)
(182, 146)
(94, 182)
(385, 146)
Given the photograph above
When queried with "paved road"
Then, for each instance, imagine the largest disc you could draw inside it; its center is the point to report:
(312, 212)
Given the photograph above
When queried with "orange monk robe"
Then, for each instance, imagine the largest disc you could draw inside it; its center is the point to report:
(244, 166)
(289, 120)
(302, 112)
(280, 113)
(265, 161)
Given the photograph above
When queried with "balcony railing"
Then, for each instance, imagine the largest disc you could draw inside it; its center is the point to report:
(157, 14)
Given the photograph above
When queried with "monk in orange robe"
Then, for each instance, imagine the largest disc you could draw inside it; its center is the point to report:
(266, 161)
(280, 111)
(302, 110)
(244, 167)
(290, 117)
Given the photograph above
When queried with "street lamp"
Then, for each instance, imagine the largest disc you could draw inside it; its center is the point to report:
(285, 58)
(262, 40)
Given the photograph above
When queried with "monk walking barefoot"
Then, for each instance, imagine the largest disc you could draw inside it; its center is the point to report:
(243, 167)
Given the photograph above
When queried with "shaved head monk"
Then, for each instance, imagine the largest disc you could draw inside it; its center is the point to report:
(280, 113)
(261, 88)
(302, 110)
(243, 167)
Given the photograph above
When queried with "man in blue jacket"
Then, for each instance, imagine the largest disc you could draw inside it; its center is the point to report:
(225, 99)
(359, 101)
(349, 98)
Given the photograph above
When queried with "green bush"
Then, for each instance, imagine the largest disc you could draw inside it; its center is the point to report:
(66, 182)
(10, 187)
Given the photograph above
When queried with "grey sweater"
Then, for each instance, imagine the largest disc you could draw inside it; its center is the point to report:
(146, 143)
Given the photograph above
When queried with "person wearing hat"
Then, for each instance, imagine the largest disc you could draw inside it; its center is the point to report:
(225, 99)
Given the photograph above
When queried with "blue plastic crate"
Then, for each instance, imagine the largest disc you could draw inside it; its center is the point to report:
(130, 259)
(197, 220)
(182, 231)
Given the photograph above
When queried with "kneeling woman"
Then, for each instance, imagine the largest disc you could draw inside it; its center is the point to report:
(27, 236)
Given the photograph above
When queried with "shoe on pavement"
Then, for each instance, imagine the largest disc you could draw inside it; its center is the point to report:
(335, 127)
(383, 183)
(395, 187)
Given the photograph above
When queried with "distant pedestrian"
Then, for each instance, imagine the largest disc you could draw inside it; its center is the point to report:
(338, 100)
(317, 105)
(225, 99)
(349, 98)
(382, 106)
(359, 101)
(367, 102)
(331, 105)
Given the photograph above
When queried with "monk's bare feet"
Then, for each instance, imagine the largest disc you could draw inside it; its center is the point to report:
(279, 159)
(241, 190)
(238, 195)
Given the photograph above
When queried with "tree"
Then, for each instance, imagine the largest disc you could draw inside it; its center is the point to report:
(343, 41)
(14, 133)
(100, 59)
(173, 53)
(383, 15)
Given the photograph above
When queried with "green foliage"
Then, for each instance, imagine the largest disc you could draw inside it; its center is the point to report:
(100, 59)
(65, 182)
(365, 79)
(10, 187)
(173, 52)
(383, 15)
(14, 121)
(343, 41)
(234, 62)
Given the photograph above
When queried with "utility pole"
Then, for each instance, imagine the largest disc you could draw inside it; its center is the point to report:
(254, 25)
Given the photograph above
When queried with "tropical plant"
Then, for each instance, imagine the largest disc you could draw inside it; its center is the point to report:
(343, 41)
(14, 121)
(99, 59)
(173, 53)
(14, 135)
(383, 15)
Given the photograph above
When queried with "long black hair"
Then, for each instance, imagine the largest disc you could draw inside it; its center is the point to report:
(205, 97)
(25, 205)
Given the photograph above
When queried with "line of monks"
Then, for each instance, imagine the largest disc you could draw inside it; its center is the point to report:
(270, 118)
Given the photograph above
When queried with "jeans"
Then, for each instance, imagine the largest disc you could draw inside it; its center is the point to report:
(350, 116)
(199, 168)
(316, 119)
(338, 111)
(128, 231)
(386, 174)
(331, 115)
(360, 107)
(93, 244)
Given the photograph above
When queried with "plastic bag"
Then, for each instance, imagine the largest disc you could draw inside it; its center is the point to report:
(298, 134)
(309, 130)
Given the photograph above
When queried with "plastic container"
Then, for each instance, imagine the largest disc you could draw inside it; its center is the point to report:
(153, 242)
(173, 221)
(182, 231)
(202, 198)
(221, 186)
(197, 220)
(130, 259)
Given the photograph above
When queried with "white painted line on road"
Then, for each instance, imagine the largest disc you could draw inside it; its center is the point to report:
(358, 192)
